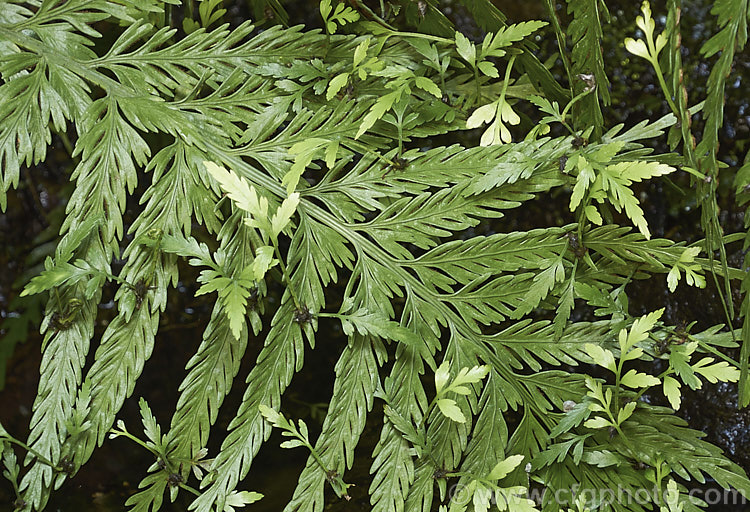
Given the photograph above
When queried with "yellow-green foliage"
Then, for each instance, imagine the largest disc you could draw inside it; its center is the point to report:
(309, 159)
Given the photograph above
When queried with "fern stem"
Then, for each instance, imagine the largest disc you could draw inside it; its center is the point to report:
(709, 217)
(664, 88)
(427, 37)
(135, 439)
(370, 14)
(285, 272)
(476, 85)
(44, 460)
(400, 118)
(567, 108)
(362, 147)
(189, 489)
(560, 35)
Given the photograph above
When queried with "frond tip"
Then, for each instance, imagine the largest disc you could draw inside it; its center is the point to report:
(299, 173)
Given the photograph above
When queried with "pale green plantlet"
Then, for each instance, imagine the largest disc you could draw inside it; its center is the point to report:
(401, 91)
(459, 385)
(493, 46)
(679, 363)
(283, 215)
(580, 504)
(304, 153)
(264, 261)
(484, 491)
(601, 356)
(466, 49)
(419, 285)
(693, 271)
(635, 379)
(504, 467)
(600, 181)
(671, 388)
(552, 109)
(433, 58)
(244, 196)
(715, 372)
(241, 193)
(450, 410)
(671, 498)
(603, 401)
(497, 113)
(300, 435)
(233, 290)
(360, 67)
(299, 432)
(651, 48)
(333, 17)
(639, 330)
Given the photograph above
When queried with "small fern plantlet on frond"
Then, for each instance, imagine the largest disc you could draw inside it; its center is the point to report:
(303, 173)
(333, 16)
(300, 435)
(600, 178)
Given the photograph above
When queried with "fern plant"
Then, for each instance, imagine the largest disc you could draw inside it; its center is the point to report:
(303, 156)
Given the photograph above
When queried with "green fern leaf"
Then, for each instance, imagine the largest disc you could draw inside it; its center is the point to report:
(586, 34)
(356, 381)
(393, 467)
(277, 362)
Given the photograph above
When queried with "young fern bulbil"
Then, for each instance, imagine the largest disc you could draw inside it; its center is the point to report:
(300, 170)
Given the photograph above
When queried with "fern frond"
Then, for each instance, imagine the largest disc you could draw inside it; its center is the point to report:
(39, 86)
(164, 68)
(463, 261)
(534, 343)
(371, 181)
(586, 34)
(504, 297)
(488, 168)
(107, 169)
(422, 220)
(118, 144)
(529, 437)
(328, 125)
(315, 254)
(730, 40)
(60, 374)
(489, 439)
(280, 357)
(447, 439)
(616, 244)
(175, 177)
(134, 327)
(732, 18)
(393, 467)
(237, 105)
(29, 101)
(210, 374)
(682, 448)
(421, 493)
(375, 224)
(352, 398)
